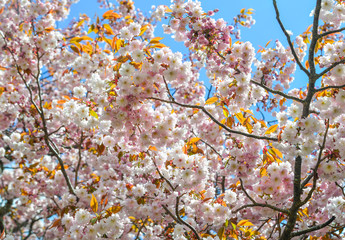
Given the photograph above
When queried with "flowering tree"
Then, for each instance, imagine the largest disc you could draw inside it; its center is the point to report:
(108, 134)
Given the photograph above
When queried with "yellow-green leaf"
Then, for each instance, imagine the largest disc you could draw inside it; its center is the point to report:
(93, 114)
(221, 232)
(271, 129)
(94, 204)
(225, 112)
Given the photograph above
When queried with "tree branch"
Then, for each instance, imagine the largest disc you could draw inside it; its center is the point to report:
(314, 174)
(330, 68)
(289, 39)
(314, 38)
(317, 227)
(331, 32)
(277, 92)
(79, 160)
(161, 175)
(328, 87)
(182, 221)
(342, 188)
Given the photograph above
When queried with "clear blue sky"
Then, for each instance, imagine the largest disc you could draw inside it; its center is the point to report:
(294, 14)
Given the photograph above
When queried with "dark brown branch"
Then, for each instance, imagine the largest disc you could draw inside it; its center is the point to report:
(266, 221)
(79, 160)
(329, 87)
(140, 229)
(171, 214)
(330, 68)
(255, 204)
(331, 32)
(277, 92)
(215, 120)
(342, 188)
(182, 221)
(314, 38)
(312, 229)
(289, 39)
(40, 111)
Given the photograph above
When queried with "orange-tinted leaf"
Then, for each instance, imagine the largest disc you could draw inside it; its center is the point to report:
(220, 233)
(155, 40)
(211, 100)
(108, 29)
(56, 223)
(113, 43)
(277, 152)
(79, 39)
(244, 223)
(271, 129)
(94, 204)
(193, 140)
(159, 45)
(167, 9)
(75, 49)
(240, 117)
(268, 43)
(111, 15)
(153, 148)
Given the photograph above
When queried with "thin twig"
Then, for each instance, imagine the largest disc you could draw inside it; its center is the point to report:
(209, 145)
(330, 68)
(342, 188)
(255, 204)
(319, 160)
(215, 120)
(289, 39)
(161, 175)
(277, 92)
(171, 214)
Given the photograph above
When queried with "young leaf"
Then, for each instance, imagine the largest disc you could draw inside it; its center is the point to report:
(244, 223)
(94, 204)
(211, 100)
(271, 129)
(193, 140)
